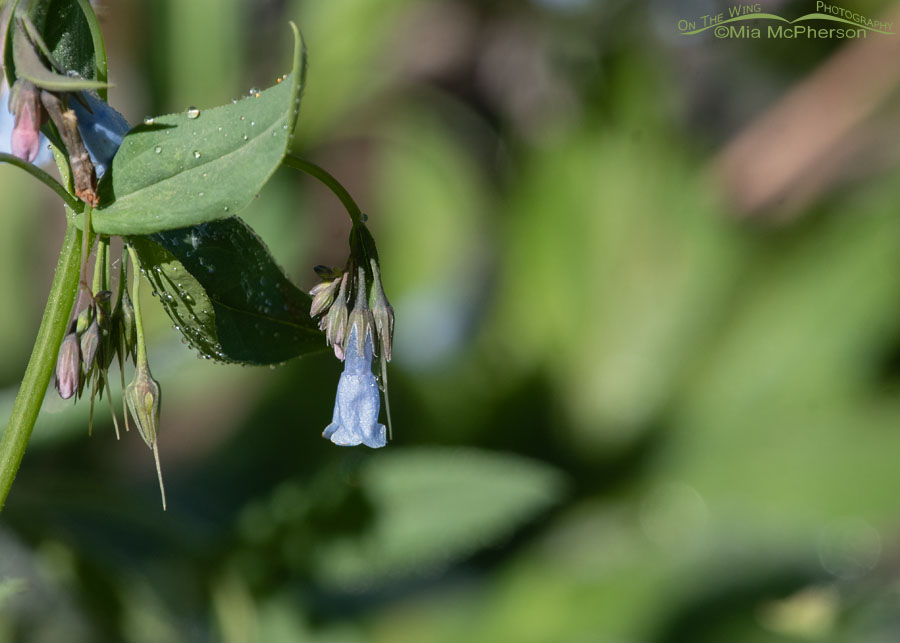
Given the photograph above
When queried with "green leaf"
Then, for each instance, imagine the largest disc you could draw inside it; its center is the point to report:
(434, 506)
(189, 168)
(67, 36)
(27, 43)
(227, 296)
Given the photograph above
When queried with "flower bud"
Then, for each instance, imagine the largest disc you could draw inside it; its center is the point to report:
(323, 296)
(335, 322)
(101, 308)
(68, 366)
(25, 103)
(143, 399)
(383, 313)
(128, 326)
(83, 321)
(90, 342)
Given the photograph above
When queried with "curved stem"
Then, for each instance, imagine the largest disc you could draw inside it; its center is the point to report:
(42, 362)
(330, 182)
(44, 178)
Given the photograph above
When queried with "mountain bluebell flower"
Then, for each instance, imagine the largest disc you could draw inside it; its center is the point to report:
(102, 128)
(358, 400)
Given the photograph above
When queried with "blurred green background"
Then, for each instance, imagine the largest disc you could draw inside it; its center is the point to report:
(646, 376)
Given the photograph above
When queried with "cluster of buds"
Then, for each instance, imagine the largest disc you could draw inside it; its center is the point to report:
(88, 349)
(354, 336)
(95, 337)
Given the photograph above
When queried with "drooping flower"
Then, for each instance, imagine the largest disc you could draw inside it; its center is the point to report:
(358, 400)
(102, 128)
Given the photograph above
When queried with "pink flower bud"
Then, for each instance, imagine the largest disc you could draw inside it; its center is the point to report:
(68, 366)
(25, 104)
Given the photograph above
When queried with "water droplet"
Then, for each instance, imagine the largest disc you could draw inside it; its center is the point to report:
(245, 137)
(157, 149)
(253, 90)
(220, 129)
(202, 194)
(204, 175)
(148, 120)
(252, 123)
(242, 117)
(196, 154)
(225, 208)
(193, 112)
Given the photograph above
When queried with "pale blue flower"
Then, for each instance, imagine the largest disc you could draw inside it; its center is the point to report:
(358, 399)
(102, 129)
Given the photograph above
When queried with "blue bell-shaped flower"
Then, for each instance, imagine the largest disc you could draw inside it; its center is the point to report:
(102, 129)
(358, 398)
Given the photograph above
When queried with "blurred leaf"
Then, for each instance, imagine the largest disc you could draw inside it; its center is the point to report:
(227, 296)
(198, 166)
(434, 506)
(349, 37)
(632, 271)
(10, 587)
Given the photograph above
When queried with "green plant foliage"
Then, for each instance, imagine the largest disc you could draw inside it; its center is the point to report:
(27, 43)
(226, 295)
(434, 506)
(68, 38)
(200, 165)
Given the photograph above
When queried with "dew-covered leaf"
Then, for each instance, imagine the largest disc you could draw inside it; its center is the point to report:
(434, 506)
(226, 295)
(201, 165)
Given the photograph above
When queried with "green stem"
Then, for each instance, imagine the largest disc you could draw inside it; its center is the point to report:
(42, 362)
(136, 302)
(330, 182)
(44, 178)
